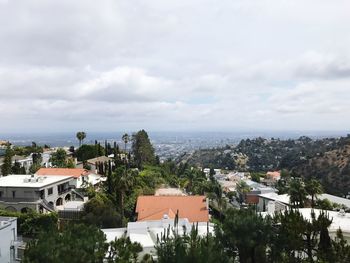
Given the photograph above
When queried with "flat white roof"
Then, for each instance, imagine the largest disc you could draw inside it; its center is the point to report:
(276, 197)
(145, 232)
(27, 181)
(339, 221)
(72, 206)
(335, 199)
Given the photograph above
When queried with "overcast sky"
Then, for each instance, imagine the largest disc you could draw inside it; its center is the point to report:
(184, 65)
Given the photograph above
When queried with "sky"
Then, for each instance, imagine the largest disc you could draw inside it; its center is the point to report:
(184, 65)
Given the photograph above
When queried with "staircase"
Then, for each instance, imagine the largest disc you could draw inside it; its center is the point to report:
(47, 205)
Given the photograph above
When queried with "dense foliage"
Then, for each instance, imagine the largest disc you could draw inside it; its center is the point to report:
(75, 244)
(247, 237)
(31, 224)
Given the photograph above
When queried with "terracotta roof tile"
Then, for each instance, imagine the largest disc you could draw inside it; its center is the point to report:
(75, 172)
(194, 208)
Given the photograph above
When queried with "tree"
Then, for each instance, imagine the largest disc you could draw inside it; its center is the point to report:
(341, 248)
(297, 239)
(245, 234)
(101, 212)
(297, 192)
(242, 189)
(7, 165)
(58, 158)
(77, 243)
(123, 181)
(81, 136)
(142, 149)
(189, 247)
(123, 250)
(125, 139)
(86, 152)
(313, 187)
(18, 169)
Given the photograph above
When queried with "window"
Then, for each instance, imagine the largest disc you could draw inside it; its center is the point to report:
(49, 191)
(0, 194)
(13, 194)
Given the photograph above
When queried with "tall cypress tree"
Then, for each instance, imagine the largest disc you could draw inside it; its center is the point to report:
(7, 165)
(142, 149)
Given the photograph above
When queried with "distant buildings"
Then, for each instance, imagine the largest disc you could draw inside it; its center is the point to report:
(194, 208)
(101, 159)
(272, 202)
(256, 189)
(23, 161)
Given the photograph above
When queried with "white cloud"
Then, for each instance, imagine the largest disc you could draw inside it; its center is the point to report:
(184, 65)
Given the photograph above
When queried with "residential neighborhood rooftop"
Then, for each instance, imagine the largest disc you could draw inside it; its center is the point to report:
(23, 180)
(99, 159)
(276, 197)
(74, 172)
(146, 232)
(335, 199)
(194, 208)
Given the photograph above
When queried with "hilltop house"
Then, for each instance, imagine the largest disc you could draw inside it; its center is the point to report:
(194, 208)
(273, 202)
(80, 176)
(31, 192)
(94, 161)
(252, 197)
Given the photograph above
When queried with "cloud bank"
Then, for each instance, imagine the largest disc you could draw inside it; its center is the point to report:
(174, 65)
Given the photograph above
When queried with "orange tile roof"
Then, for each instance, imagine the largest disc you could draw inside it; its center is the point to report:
(275, 174)
(75, 172)
(194, 208)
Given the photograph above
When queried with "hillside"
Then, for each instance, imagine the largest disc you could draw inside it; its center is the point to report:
(332, 168)
(261, 154)
(327, 159)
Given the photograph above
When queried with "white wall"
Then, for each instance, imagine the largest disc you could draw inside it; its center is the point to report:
(8, 234)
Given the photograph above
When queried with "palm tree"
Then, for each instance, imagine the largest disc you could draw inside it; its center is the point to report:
(313, 187)
(125, 139)
(242, 189)
(81, 136)
(297, 193)
(124, 180)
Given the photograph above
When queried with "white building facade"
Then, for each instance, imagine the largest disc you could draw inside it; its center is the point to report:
(21, 193)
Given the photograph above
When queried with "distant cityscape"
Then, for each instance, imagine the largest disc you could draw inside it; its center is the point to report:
(166, 144)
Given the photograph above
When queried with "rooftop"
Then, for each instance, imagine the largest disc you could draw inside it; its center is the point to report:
(74, 172)
(99, 159)
(146, 232)
(168, 191)
(276, 197)
(339, 220)
(20, 158)
(275, 174)
(335, 199)
(194, 208)
(23, 180)
(72, 206)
